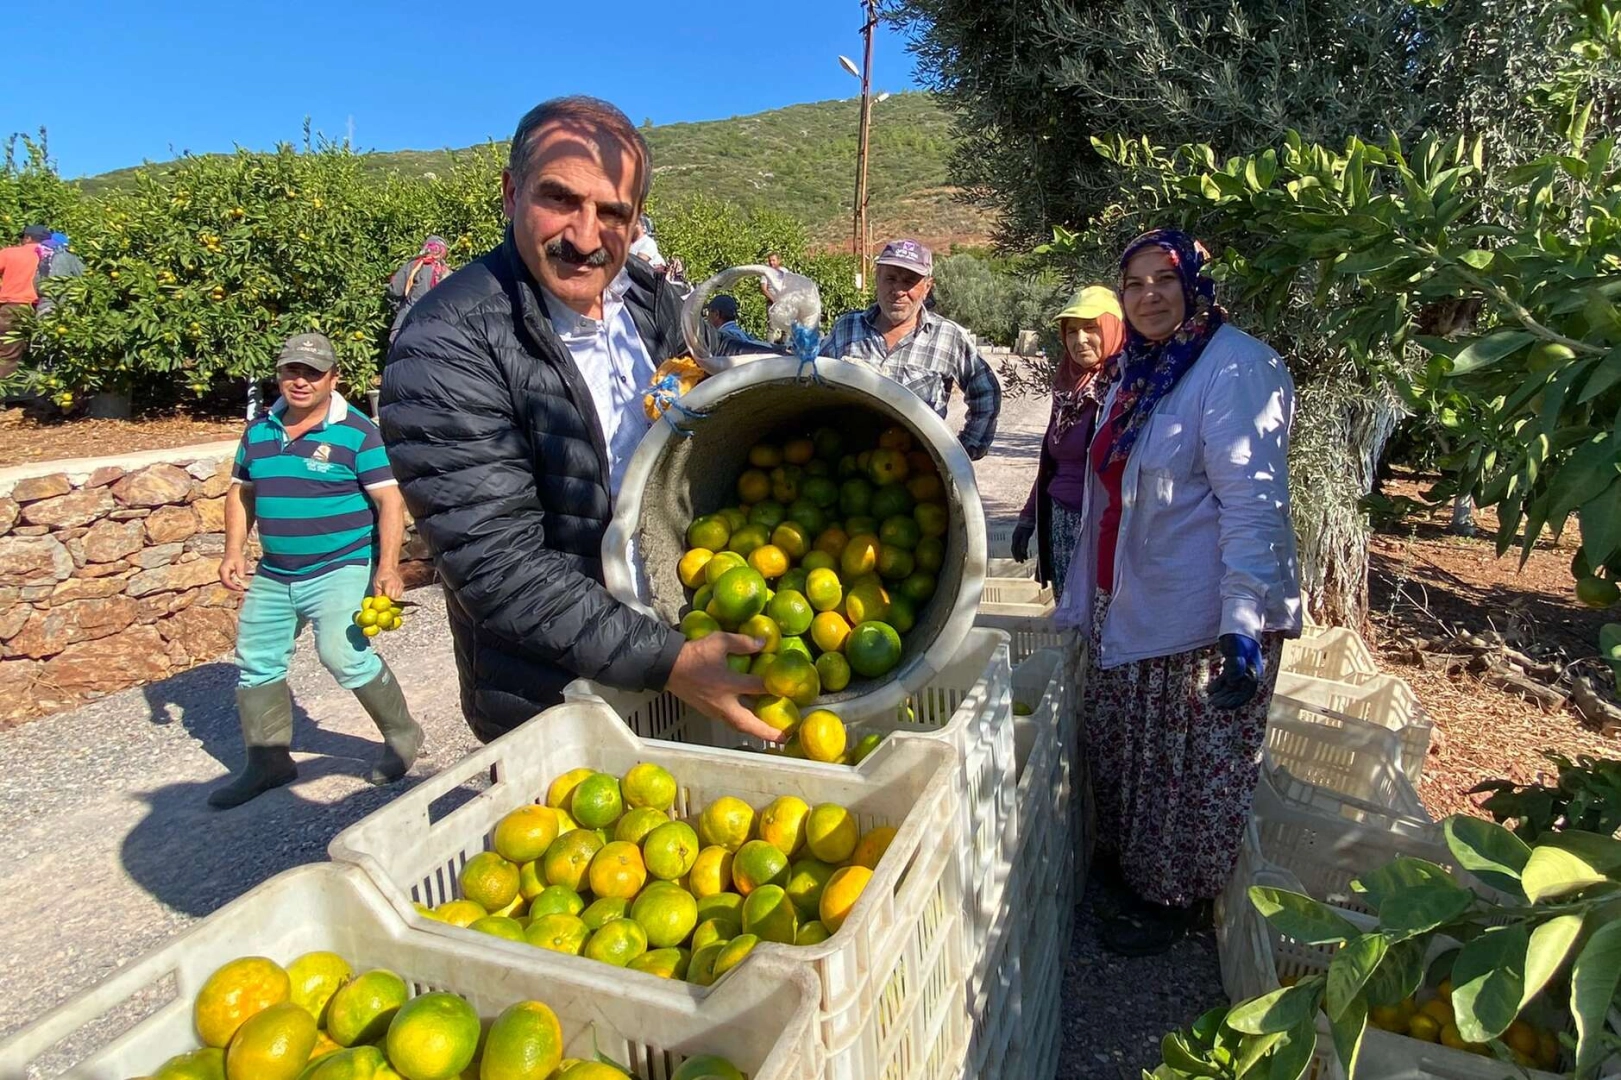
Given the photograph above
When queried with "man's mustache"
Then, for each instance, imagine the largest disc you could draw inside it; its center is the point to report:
(563, 251)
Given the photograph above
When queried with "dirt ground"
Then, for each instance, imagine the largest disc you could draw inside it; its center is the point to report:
(1425, 582)
(25, 436)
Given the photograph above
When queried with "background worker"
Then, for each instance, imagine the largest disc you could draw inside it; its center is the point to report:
(314, 474)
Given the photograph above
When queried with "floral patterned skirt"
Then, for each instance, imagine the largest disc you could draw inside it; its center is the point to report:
(1172, 777)
(1063, 534)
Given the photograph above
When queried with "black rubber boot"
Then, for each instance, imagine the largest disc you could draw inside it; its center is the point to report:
(1149, 929)
(384, 702)
(266, 715)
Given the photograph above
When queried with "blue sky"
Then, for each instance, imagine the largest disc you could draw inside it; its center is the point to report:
(117, 83)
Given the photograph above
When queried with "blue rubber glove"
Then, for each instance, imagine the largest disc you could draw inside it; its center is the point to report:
(1241, 671)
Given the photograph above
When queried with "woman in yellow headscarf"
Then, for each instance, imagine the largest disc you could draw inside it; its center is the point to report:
(1093, 331)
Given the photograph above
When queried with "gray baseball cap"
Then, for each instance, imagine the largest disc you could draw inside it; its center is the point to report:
(908, 254)
(311, 350)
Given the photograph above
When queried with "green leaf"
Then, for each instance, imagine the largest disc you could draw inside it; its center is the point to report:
(1300, 917)
(1593, 981)
(1399, 975)
(1350, 970)
(1583, 476)
(1546, 954)
(1207, 1028)
(1422, 908)
(1488, 851)
(1400, 873)
(1553, 872)
(1601, 524)
(1348, 1031)
(1491, 349)
(1488, 982)
(1278, 1011)
(1577, 132)
(1177, 1054)
(1252, 1060)
(1292, 1056)
(1478, 259)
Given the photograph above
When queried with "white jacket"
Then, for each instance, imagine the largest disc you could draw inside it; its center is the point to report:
(1205, 547)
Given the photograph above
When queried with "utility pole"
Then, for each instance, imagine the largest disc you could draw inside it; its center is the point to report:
(859, 242)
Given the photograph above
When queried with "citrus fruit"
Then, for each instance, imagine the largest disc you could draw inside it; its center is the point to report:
(696, 625)
(727, 822)
(864, 746)
(205, 1064)
(843, 889)
(834, 671)
(707, 1067)
(525, 1041)
(1451, 1038)
(758, 863)
(701, 598)
(926, 489)
(556, 900)
(829, 443)
(902, 612)
(806, 519)
(597, 801)
(569, 858)
(525, 834)
(618, 942)
(667, 913)
(726, 905)
(636, 824)
(272, 1044)
(873, 649)
(717, 567)
(891, 500)
(489, 881)
(888, 467)
(459, 912)
(930, 555)
(711, 873)
(1388, 1018)
(709, 532)
(664, 963)
(866, 602)
(1596, 592)
(791, 539)
(860, 556)
(765, 456)
(860, 526)
(748, 539)
(872, 846)
(1521, 1037)
(558, 933)
(779, 712)
(899, 531)
(617, 870)
(498, 926)
(806, 879)
(895, 564)
(793, 676)
(829, 630)
(760, 661)
(822, 735)
(712, 930)
(831, 833)
(701, 970)
(732, 953)
(235, 992)
(770, 915)
(356, 1063)
(1547, 1051)
(798, 451)
(603, 911)
(855, 498)
(782, 823)
(648, 785)
(671, 850)
(793, 581)
(592, 1070)
(691, 567)
(433, 1037)
(811, 933)
(1439, 1010)
(770, 560)
(753, 486)
(313, 978)
(557, 796)
(362, 1009)
(785, 483)
(823, 589)
(931, 518)
(1423, 1028)
(768, 513)
(740, 662)
(794, 645)
(761, 628)
(740, 594)
(831, 543)
(821, 492)
(790, 611)
(512, 908)
(918, 588)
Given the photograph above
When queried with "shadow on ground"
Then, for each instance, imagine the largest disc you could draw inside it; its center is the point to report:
(195, 858)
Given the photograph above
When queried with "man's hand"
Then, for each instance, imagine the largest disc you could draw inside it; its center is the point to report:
(388, 582)
(702, 679)
(234, 571)
(1021, 542)
(1241, 670)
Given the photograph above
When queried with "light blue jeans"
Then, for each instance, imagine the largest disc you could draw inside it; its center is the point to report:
(275, 611)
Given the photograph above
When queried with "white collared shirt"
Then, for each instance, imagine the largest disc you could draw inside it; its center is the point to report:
(616, 366)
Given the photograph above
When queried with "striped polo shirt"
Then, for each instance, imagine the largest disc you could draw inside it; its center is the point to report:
(309, 493)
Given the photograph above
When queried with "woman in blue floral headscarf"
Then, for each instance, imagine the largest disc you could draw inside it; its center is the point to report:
(1186, 577)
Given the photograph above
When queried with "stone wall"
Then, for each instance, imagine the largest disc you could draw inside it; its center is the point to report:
(109, 575)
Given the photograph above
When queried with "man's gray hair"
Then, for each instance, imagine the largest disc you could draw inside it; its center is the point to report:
(579, 109)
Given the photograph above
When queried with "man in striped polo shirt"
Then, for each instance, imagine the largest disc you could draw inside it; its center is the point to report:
(314, 474)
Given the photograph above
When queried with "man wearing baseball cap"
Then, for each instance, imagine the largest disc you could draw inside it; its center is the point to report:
(730, 337)
(314, 474)
(922, 351)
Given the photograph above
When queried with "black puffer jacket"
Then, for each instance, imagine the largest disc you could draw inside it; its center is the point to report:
(495, 441)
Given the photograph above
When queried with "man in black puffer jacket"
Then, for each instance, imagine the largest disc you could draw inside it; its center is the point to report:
(511, 405)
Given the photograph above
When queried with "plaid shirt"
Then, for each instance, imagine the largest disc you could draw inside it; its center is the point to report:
(936, 354)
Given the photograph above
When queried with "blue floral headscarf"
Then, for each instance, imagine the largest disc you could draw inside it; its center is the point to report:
(1149, 369)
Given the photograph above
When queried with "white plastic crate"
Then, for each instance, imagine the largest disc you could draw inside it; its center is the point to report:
(1343, 767)
(1031, 630)
(1379, 699)
(762, 1019)
(1332, 653)
(1016, 596)
(968, 706)
(891, 978)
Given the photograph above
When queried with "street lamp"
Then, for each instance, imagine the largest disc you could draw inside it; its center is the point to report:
(858, 242)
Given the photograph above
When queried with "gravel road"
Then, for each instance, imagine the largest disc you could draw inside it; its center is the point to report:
(112, 850)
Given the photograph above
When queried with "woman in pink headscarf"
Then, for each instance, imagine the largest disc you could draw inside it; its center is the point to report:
(412, 281)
